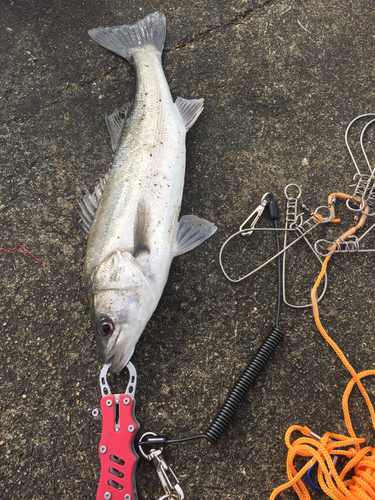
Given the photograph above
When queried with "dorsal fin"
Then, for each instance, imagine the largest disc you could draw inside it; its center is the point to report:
(115, 123)
(189, 110)
(88, 203)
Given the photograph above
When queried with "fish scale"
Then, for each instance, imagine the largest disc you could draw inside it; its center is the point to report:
(135, 232)
(153, 143)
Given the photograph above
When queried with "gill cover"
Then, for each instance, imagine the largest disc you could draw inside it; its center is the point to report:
(121, 299)
(117, 272)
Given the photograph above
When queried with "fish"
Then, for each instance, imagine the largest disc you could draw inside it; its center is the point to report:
(132, 216)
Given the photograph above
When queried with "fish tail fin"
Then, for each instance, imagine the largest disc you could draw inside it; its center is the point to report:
(125, 40)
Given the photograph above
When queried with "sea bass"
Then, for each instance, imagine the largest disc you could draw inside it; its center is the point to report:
(132, 217)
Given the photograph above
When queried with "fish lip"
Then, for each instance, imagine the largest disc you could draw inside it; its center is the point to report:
(117, 365)
(122, 349)
(117, 370)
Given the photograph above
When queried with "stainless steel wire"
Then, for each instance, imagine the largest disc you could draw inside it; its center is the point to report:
(364, 192)
(303, 229)
(291, 221)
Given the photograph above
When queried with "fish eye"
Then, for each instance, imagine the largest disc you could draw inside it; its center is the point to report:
(105, 327)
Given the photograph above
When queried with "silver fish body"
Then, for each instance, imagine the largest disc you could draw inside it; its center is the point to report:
(135, 233)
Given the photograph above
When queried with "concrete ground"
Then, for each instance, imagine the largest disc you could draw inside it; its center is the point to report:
(281, 80)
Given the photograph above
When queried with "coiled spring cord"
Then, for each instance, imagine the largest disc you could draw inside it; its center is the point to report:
(242, 385)
(250, 373)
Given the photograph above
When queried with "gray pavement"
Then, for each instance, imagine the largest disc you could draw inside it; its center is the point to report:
(281, 80)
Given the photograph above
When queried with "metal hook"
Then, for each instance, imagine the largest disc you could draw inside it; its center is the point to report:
(347, 134)
(167, 477)
(304, 228)
(256, 214)
(364, 192)
(363, 147)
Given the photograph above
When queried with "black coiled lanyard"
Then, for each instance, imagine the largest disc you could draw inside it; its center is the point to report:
(255, 365)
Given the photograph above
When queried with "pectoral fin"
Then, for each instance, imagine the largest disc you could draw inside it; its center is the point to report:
(142, 226)
(192, 231)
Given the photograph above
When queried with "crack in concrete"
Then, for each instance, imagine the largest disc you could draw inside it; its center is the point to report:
(42, 108)
(210, 33)
(57, 99)
(205, 35)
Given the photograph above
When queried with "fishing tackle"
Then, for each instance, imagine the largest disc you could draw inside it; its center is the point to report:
(255, 215)
(295, 220)
(167, 477)
(349, 241)
(116, 448)
(321, 215)
(364, 192)
(361, 201)
(324, 452)
(326, 247)
(118, 457)
(255, 365)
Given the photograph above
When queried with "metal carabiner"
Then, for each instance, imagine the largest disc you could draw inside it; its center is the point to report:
(256, 214)
(171, 486)
(303, 229)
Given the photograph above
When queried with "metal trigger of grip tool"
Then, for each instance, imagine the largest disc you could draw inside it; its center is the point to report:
(118, 457)
(172, 488)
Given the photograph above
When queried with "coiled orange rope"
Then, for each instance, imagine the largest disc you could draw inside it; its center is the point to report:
(361, 486)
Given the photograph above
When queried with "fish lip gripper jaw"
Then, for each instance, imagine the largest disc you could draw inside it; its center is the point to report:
(118, 457)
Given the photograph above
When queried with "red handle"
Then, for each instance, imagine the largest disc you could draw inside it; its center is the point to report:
(116, 449)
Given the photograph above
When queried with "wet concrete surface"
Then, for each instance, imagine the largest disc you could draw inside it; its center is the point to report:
(281, 80)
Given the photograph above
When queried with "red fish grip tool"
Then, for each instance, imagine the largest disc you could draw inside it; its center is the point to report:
(118, 457)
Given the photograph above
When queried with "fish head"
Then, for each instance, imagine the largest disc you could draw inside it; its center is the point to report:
(121, 303)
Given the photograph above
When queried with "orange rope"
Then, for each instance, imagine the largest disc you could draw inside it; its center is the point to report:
(361, 486)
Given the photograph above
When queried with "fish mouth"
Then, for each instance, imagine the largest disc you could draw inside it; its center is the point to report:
(117, 368)
(119, 360)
